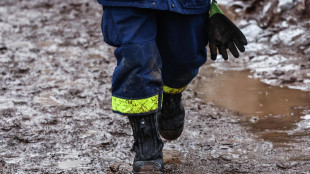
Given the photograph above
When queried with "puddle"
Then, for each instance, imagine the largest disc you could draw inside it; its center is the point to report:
(272, 112)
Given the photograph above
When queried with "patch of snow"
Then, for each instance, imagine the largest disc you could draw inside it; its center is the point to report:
(284, 5)
(270, 63)
(306, 117)
(271, 82)
(243, 22)
(253, 46)
(4, 59)
(6, 103)
(284, 24)
(238, 10)
(219, 59)
(5, 26)
(3, 10)
(307, 51)
(72, 164)
(288, 67)
(254, 119)
(251, 31)
(21, 44)
(225, 2)
(266, 8)
(286, 36)
(302, 87)
(305, 124)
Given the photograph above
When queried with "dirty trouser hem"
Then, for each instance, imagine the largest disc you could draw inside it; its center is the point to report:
(170, 90)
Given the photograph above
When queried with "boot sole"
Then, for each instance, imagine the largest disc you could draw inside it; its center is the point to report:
(148, 170)
(152, 166)
(171, 134)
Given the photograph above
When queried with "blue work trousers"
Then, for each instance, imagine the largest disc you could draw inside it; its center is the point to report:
(156, 51)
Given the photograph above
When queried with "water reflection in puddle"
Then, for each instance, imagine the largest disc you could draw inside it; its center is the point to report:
(272, 112)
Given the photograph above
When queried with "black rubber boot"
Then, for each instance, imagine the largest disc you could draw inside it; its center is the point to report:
(148, 144)
(171, 119)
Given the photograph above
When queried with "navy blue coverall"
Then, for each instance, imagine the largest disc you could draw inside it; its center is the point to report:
(160, 45)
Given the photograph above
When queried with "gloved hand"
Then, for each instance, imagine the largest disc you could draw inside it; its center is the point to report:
(223, 34)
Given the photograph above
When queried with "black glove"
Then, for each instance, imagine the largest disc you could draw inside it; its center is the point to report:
(223, 34)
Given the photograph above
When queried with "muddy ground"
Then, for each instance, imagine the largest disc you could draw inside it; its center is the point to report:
(55, 110)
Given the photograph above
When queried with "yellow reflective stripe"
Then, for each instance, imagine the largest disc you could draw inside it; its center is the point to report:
(128, 106)
(173, 90)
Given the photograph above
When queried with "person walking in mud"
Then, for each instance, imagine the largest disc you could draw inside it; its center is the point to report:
(160, 47)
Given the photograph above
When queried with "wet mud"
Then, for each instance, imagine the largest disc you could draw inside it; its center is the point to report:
(55, 105)
(279, 115)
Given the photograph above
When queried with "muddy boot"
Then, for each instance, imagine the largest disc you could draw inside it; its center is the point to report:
(148, 144)
(171, 119)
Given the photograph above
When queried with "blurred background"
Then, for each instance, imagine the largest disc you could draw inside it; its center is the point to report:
(270, 82)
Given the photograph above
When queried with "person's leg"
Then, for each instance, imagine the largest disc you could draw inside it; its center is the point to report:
(181, 40)
(137, 82)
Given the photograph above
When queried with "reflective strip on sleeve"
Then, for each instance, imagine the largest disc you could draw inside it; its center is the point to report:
(128, 106)
(169, 90)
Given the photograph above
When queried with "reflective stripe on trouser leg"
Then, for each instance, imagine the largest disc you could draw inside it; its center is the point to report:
(169, 90)
(136, 106)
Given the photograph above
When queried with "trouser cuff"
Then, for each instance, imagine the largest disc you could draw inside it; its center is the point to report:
(137, 106)
(170, 90)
